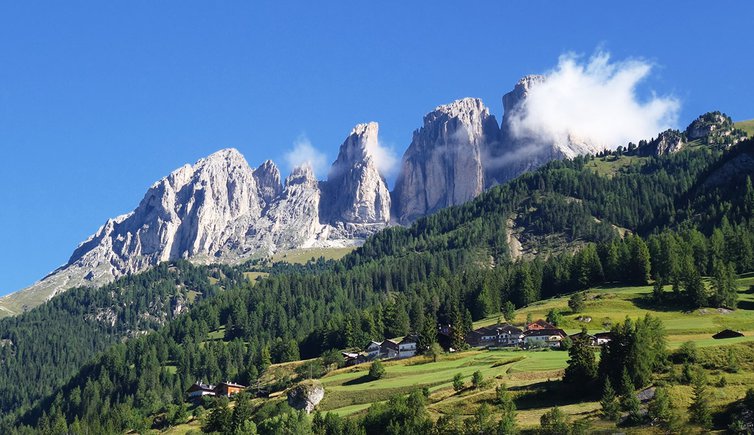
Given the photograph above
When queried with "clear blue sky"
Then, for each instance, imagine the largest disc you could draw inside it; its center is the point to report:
(100, 99)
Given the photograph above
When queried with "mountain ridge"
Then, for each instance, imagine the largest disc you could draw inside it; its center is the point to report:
(222, 210)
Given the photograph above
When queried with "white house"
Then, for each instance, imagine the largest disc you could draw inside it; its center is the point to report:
(373, 349)
(407, 346)
(389, 349)
(544, 337)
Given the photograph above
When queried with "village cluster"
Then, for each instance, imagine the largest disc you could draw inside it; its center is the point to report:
(537, 334)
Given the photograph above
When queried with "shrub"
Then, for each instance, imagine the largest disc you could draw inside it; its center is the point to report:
(376, 370)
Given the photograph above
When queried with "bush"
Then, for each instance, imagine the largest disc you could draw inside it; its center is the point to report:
(477, 378)
(376, 370)
(458, 382)
(576, 303)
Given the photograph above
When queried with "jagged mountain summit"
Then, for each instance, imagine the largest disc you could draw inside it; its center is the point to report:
(355, 190)
(443, 165)
(222, 210)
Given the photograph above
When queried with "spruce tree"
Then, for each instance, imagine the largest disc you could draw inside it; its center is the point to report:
(609, 402)
(507, 407)
(629, 400)
(660, 408)
(699, 410)
(582, 365)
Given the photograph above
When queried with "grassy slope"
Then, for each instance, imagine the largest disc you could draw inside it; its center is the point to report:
(303, 255)
(747, 126)
(528, 373)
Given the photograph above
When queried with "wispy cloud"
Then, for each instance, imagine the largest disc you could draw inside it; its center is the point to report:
(303, 152)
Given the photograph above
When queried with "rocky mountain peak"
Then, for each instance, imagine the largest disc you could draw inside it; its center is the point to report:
(520, 91)
(355, 191)
(267, 176)
(357, 147)
(301, 175)
(443, 164)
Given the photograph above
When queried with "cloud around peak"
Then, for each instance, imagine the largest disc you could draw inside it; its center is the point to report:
(595, 101)
(303, 152)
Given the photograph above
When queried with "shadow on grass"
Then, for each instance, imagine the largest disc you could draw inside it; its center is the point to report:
(549, 395)
(745, 305)
(670, 304)
(360, 380)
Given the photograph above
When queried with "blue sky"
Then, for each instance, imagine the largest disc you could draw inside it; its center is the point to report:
(100, 99)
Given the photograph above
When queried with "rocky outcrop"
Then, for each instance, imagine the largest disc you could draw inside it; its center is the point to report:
(306, 396)
(708, 124)
(267, 177)
(513, 100)
(220, 210)
(667, 142)
(355, 191)
(443, 165)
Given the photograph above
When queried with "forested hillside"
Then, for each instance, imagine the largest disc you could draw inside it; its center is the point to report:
(690, 212)
(53, 341)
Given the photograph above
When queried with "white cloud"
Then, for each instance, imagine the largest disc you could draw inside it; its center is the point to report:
(595, 102)
(385, 157)
(303, 152)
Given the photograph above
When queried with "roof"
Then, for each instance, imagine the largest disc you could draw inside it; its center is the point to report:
(230, 384)
(581, 334)
(199, 385)
(496, 329)
(411, 338)
(390, 343)
(727, 333)
(544, 332)
(607, 334)
(376, 343)
(542, 324)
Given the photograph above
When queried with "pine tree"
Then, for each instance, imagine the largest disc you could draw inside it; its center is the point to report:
(699, 410)
(660, 409)
(724, 284)
(507, 407)
(609, 402)
(695, 290)
(629, 400)
(582, 365)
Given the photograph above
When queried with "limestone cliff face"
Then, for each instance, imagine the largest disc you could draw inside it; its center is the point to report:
(443, 165)
(220, 210)
(355, 191)
(267, 177)
(192, 212)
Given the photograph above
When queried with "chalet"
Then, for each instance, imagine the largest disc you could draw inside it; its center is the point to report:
(544, 337)
(591, 340)
(603, 338)
(727, 333)
(389, 349)
(353, 358)
(495, 335)
(407, 346)
(228, 389)
(199, 390)
(539, 325)
(373, 349)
